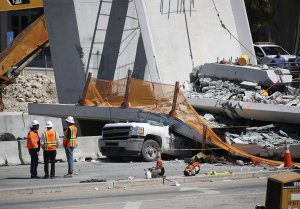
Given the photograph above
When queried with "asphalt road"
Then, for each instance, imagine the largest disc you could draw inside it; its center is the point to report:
(14, 177)
(235, 194)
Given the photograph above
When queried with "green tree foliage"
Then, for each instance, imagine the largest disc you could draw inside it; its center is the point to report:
(260, 14)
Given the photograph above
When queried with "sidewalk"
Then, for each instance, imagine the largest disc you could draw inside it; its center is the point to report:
(15, 179)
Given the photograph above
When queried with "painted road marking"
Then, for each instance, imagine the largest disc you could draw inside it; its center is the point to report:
(132, 205)
(203, 191)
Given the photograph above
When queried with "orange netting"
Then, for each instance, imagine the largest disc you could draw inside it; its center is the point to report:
(158, 98)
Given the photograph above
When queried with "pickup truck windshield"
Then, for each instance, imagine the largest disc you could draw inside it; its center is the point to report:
(273, 50)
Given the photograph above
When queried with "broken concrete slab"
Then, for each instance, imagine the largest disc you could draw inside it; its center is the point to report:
(248, 110)
(265, 77)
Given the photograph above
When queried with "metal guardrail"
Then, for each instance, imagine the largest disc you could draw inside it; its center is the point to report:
(292, 66)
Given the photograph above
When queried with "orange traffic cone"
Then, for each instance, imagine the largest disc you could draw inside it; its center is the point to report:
(287, 157)
(159, 160)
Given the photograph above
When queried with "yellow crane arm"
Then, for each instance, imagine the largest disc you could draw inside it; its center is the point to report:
(24, 44)
(9, 5)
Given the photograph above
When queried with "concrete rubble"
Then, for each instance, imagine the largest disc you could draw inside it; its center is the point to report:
(267, 136)
(30, 88)
(242, 91)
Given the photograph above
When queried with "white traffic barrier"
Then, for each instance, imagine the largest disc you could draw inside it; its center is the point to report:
(87, 147)
(18, 123)
(23, 152)
(16, 152)
(60, 153)
(25, 157)
(9, 153)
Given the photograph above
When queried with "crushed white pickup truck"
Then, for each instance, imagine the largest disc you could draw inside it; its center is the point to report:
(142, 139)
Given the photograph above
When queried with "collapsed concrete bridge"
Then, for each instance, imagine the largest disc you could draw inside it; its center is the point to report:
(136, 100)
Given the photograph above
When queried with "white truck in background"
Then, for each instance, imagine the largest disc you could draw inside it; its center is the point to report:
(266, 51)
(142, 139)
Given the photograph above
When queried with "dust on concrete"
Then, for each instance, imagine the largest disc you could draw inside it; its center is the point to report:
(29, 89)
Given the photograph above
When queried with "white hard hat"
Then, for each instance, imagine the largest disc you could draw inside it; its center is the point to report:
(70, 119)
(49, 124)
(34, 123)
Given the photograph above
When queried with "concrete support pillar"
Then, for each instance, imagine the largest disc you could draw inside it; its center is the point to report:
(65, 49)
(140, 61)
(113, 38)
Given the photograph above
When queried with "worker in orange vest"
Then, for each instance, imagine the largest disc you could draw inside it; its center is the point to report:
(33, 145)
(49, 143)
(70, 143)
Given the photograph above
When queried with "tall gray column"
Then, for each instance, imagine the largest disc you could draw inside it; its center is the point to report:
(65, 49)
(113, 39)
(140, 60)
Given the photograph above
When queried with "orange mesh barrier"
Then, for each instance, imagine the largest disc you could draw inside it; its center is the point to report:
(158, 98)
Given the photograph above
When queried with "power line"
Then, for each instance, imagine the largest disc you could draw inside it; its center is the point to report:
(224, 26)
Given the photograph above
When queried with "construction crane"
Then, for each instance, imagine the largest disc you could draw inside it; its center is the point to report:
(24, 48)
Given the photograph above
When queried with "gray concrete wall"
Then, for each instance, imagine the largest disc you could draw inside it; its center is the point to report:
(65, 49)
(208, 39)
(19, 123)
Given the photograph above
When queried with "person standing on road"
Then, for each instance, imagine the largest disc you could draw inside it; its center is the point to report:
(279, 60)
(49, 143)
(70, 143)
(33, 145)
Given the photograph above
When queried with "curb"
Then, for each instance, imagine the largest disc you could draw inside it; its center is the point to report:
(171, 181)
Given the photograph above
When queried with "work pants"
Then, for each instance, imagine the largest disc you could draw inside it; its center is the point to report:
(34, 161)
(69, 154)
(49, 156)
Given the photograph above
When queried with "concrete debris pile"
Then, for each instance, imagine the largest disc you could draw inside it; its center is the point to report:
(213, 120)
(244, 91)
(27, 89)
(268, 136)
(263, 136)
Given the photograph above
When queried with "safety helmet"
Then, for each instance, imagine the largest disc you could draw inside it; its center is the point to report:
(34, 123)
(49, 124)
(70, 119)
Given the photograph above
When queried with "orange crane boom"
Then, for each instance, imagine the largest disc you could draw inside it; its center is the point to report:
(10, 5)
(25, 46)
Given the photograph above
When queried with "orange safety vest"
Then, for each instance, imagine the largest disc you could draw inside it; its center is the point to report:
(73, 135)
(50, 140)
(32, 139)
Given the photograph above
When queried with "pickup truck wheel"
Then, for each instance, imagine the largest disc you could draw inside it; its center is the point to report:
(149, 152)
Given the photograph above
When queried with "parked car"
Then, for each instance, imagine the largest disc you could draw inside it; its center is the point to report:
(266, 51)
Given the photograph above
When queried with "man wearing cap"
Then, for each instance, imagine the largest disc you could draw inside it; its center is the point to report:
(33, 145)
(49, 143)
(69, 143)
